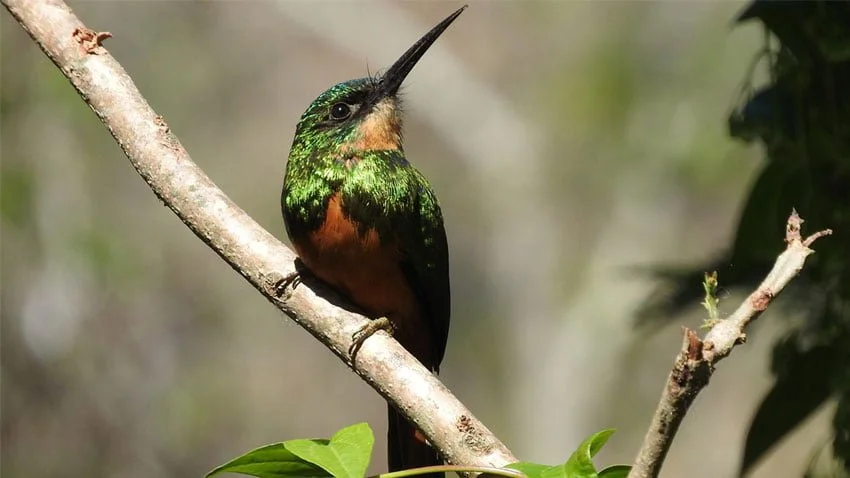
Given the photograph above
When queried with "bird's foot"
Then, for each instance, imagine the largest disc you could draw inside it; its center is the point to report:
(381, 323)
(290, 280)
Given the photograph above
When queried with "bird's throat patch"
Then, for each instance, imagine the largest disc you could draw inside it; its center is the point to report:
(380, 130)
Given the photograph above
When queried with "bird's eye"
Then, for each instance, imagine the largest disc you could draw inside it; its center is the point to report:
(340, 111)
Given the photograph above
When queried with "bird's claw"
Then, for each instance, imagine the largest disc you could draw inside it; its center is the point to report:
(290, 280)
(357, 339)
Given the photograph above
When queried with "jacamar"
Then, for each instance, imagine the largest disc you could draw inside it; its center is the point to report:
(365, 221)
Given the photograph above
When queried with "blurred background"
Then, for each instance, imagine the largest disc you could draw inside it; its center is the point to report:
(570, 143)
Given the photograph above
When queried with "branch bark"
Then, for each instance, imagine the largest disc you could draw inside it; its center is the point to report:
(698, 357)
(157, 155)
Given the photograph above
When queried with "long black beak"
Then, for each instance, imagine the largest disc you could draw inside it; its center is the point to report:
(392, 79)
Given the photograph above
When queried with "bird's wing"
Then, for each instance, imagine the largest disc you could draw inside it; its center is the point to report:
(426, 265)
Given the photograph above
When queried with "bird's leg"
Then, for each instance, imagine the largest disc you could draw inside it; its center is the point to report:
(292, 279)
(374, 325)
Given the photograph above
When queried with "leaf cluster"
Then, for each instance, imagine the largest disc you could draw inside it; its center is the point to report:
(348, 452)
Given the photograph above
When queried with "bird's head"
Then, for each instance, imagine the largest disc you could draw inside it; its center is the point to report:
(363, 114)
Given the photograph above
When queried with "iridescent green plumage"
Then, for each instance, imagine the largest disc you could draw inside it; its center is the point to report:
(379, 190)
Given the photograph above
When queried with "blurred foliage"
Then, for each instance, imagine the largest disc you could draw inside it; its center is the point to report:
(802, 116)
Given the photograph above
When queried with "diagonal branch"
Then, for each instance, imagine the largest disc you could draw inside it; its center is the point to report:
(157, 155)
(697, 359)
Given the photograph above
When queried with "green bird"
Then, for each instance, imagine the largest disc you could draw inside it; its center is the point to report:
(365, 221)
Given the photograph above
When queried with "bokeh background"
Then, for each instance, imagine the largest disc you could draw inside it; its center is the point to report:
(569, 142)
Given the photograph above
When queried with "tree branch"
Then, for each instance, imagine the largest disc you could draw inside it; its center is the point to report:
(157, 155)
(697, 360)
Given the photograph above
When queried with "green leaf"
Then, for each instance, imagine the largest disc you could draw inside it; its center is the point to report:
(802, 385)
(557, 471)
(580, 463)
(346, 455)
(271, 461)
(531, 470)
(615, 471)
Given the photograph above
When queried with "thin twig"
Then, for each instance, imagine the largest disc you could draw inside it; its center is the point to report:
(157, 155)
(697, 360)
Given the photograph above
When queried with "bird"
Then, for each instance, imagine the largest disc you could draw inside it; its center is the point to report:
(366, 222)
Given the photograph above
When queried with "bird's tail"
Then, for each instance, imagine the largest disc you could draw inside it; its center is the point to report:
(406, 446)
